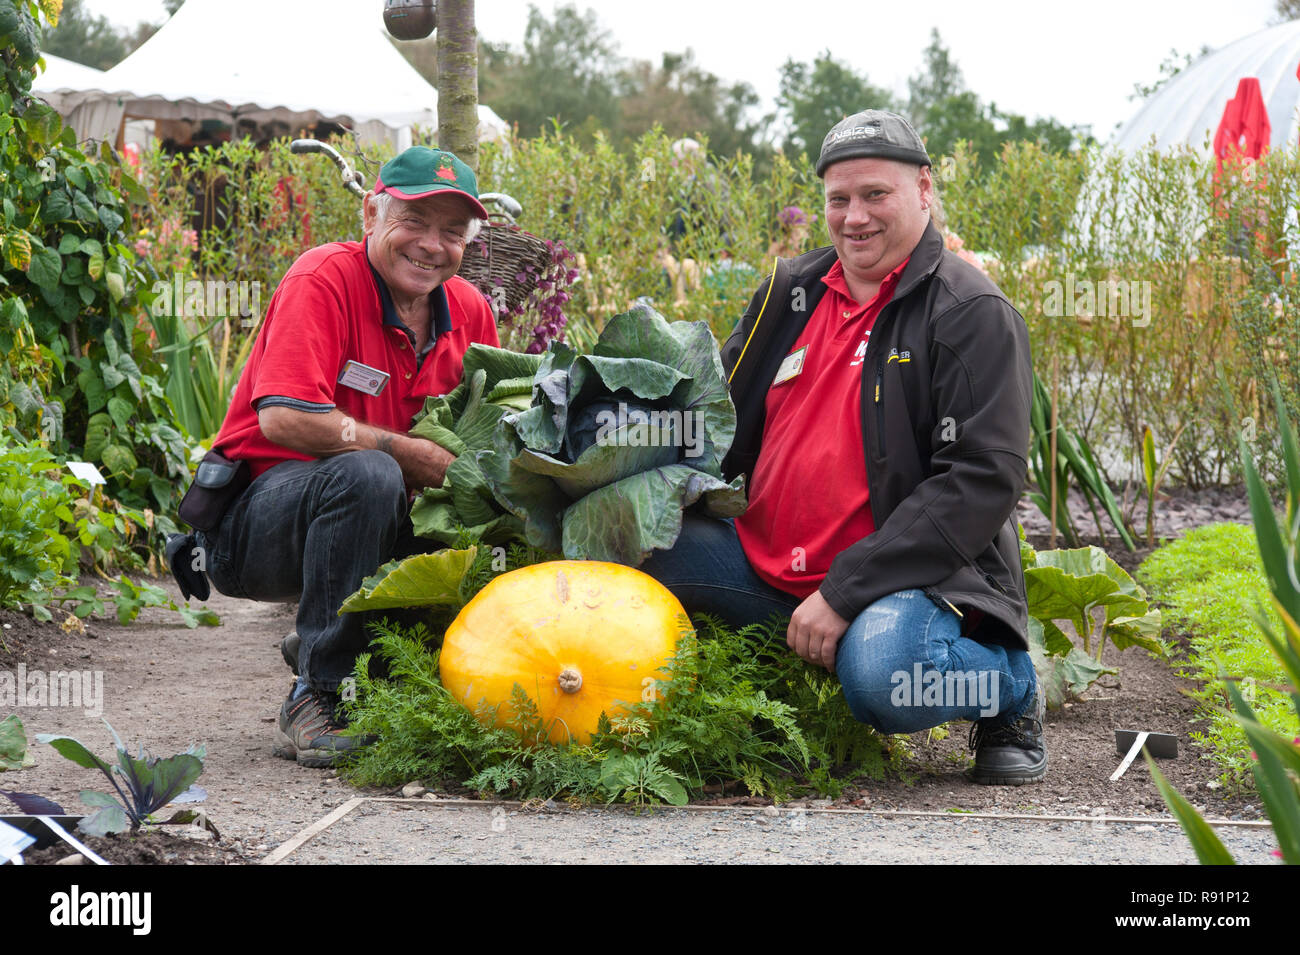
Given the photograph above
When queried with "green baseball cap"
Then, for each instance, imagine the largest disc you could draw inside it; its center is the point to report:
(421, 171)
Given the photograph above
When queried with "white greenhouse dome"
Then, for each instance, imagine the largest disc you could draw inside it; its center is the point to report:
(1187, 109)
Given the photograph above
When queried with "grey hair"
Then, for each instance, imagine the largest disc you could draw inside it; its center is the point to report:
(383, 202)
(937, 214)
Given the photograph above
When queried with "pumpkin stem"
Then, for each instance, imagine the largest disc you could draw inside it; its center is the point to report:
(570, 680)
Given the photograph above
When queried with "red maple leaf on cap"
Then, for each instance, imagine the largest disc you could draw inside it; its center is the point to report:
(446, 172)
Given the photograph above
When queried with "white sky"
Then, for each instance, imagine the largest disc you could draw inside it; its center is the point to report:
(1076, 62)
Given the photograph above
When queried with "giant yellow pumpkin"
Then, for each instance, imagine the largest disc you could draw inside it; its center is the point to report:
(578, 636)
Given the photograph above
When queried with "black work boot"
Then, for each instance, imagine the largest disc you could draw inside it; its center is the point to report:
(1010, 754)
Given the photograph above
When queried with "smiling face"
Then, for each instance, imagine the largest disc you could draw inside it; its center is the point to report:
(876, 211)
(418, 245)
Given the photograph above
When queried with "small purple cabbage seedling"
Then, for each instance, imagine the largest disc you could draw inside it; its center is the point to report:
(151, 782)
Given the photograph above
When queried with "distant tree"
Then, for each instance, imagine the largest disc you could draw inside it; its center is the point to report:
(815, 96)
(565, 72)
(939, 80)
(687, 100)
(85, 38)
(93, 41)
(1287, 10)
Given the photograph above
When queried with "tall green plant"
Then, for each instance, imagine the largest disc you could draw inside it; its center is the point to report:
(1074, 463)
(1072, 585)
(77, 372)
(1277, 766)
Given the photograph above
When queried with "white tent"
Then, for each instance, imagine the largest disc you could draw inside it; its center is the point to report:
(62, 76)
(1187, 109)
(291, 63)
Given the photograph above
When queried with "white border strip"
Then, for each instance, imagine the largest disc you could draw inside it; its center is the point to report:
(312, 831)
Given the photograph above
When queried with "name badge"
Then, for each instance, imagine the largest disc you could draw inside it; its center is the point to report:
(363, 378)
(791, 367)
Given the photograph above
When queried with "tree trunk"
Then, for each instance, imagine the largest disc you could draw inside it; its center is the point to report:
(458, 80)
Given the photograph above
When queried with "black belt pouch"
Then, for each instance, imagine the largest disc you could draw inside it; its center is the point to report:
(217, 483)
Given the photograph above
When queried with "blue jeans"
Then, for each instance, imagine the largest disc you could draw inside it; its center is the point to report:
(311, 531)
(903, 663)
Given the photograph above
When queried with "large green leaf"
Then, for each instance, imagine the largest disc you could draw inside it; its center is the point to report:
(1067, 584)
(513, 393)
(1061, 677)
(470, 493)
(533, 498)
(623, 522)
(623, 495)
(434, 515)
(74, 750)
(97, 799)
(105, 821)
(1143, 631)
(13, 744)
(45, 268)
(425, 580)
(119, 459)
(429, 427)
(83, 207)
(57, 208)
(500, 364)
(598, 466)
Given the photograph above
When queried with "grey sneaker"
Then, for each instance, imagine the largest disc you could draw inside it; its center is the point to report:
(311, 731)
(1010, 754)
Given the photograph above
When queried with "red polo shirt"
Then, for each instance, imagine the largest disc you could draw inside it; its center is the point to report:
(332, 308)
(808, 497)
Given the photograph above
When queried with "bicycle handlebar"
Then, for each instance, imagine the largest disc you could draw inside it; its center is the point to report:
(352, 179)
(356, 183)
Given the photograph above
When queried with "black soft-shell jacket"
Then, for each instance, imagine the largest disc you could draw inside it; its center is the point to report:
(946, 393)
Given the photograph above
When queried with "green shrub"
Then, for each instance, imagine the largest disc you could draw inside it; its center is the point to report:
(36, 559)
(697, 234)
(77, 373)
(49, 524)
(1211, 583)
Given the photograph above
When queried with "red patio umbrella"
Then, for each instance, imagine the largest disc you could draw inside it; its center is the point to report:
(1244, 131)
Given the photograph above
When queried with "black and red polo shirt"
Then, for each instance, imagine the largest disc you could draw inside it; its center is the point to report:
(808, 495)
(331, 308)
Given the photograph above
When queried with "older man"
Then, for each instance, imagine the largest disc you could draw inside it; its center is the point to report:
(356, 336)
(882, 388)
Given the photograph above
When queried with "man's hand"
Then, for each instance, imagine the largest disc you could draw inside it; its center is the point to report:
(815, 631)
(424, 463)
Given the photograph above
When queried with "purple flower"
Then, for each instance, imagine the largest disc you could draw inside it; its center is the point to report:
(792, 216)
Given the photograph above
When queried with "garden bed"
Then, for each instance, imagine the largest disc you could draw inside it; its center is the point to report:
(169, 686)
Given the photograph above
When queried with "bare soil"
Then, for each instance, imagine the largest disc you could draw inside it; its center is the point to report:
(144, 848)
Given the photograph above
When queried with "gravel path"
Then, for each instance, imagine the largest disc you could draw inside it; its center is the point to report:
(398, 833)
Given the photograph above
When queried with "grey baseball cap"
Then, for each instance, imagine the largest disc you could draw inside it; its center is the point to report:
(872, 132)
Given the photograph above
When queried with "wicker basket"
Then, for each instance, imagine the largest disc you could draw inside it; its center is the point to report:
(496, 259)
